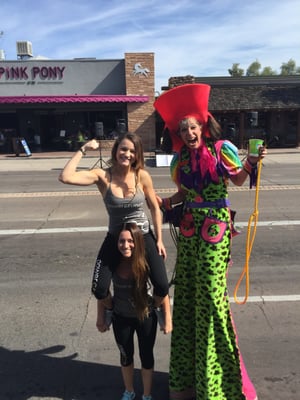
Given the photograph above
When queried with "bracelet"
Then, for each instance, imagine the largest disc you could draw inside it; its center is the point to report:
(82, 151)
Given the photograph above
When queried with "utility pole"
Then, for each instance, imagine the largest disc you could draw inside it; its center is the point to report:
(2, 54)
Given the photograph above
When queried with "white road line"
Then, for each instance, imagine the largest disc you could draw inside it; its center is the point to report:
(251, 299)
(269, 299)
(271, 223)
(52, 230)
(264, 299)
(38, 231)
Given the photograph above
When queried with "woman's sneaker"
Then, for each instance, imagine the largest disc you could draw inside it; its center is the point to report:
(128, 395)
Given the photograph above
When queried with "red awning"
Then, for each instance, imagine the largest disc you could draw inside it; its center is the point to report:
(73, 99)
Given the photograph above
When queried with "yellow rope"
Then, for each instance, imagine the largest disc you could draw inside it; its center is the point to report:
(249, 242)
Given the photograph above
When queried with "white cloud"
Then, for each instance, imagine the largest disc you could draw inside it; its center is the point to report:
(188, 37)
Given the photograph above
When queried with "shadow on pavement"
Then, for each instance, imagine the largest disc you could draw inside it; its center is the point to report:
(25, 375)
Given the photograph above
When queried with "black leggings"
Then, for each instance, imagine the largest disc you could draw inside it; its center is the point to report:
(124, 329)
(108, 259)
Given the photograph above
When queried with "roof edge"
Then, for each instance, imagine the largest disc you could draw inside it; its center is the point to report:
(74, 99)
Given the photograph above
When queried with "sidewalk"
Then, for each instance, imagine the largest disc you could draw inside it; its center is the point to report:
(46, 161)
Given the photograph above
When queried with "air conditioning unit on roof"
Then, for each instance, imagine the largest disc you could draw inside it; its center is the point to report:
(24, 49)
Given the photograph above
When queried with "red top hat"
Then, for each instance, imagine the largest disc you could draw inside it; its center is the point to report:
(184, 101)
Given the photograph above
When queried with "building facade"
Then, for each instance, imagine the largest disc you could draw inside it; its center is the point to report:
(265, 107)
(57, 104)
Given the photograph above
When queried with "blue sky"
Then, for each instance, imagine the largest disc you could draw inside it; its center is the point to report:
(188, 37)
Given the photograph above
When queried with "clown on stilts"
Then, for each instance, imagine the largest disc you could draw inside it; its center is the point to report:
(205, 361)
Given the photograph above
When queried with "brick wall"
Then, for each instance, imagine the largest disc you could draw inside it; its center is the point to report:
(181, 80)
(141, 117)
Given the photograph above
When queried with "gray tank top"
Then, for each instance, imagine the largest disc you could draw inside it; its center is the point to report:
(122, 210)
(123, 304)
(122, 297)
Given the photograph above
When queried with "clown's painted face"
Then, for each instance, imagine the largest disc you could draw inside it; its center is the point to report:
(190, 131)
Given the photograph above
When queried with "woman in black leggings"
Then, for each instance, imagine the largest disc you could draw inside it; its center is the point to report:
(133, 309)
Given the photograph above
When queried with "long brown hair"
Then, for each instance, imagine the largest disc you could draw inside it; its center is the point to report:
(214, 128)
(138, 146)
(140, 270)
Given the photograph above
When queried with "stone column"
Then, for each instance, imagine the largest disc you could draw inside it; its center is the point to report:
(139, 76)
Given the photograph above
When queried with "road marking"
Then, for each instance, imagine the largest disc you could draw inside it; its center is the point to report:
(52, 230)
(263, 299)
(158, 190)
(269, 299)
(49, 194)
(270, 223)
(78, 229)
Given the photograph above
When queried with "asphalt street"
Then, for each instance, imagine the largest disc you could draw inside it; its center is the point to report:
(50, 348)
